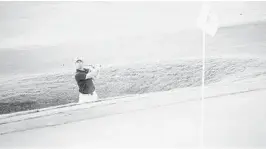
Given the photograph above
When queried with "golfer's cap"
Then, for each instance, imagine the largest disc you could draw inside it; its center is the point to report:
(78, 59)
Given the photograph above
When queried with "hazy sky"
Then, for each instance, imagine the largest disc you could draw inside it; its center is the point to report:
(49, 23)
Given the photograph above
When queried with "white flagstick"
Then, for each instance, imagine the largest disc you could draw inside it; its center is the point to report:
(201, 22)
(202, 88)
(208, 23)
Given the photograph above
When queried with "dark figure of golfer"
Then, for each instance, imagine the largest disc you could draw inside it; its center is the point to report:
(84, 78)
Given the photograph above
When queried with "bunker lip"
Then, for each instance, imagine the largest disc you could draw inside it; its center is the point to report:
(214, 91)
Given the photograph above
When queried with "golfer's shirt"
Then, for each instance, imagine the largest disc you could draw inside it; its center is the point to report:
(86, 86)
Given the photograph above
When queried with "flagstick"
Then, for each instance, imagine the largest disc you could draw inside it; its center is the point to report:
(202, 88)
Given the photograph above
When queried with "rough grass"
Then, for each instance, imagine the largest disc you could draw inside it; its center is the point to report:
(33, 92)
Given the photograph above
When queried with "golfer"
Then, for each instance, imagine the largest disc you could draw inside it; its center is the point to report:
(84, 78)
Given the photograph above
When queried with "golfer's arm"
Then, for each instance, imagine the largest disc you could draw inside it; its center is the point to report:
(91, 74)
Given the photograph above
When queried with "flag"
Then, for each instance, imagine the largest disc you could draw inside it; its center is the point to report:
(208, 20)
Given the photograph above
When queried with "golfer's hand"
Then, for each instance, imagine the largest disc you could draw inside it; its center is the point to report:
(91, 74)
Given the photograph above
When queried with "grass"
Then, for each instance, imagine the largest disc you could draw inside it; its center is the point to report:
(47, 90)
